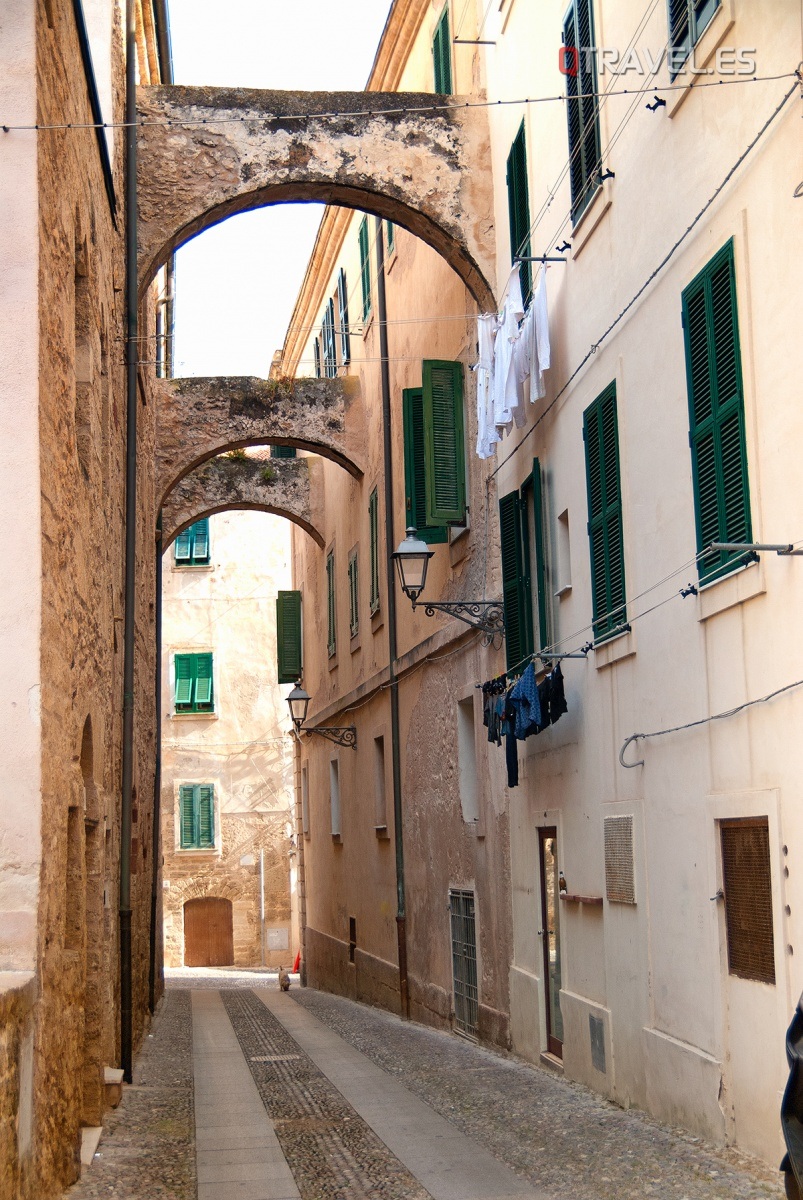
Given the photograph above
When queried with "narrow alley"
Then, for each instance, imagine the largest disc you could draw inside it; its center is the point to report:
(245, 1092)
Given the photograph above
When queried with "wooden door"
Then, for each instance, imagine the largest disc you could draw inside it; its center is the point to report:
(208, 936)
(550, 938)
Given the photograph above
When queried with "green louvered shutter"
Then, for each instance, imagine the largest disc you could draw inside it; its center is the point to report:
(354, 594)
(184, 679)
(186, 816)
(390, 233)
(600, 432)
(538, 569)
(203, 682)
(183, 546)
(519, 210)
(283, 452)
(331, 613)
(716, 413)
(365, 269)
(515, 581)
(206, 816)
(288, 636)
(343, 308)
(444, 449)
(316, 349)
(200, 547)
(373, 523)
(442, 56)
(414, 469)
(582, 106)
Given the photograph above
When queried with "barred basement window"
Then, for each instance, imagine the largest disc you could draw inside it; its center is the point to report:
(746, 882)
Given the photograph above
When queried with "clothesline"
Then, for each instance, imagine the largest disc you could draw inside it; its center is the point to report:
(522, 710)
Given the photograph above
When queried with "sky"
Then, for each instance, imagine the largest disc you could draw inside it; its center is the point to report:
(236, 284)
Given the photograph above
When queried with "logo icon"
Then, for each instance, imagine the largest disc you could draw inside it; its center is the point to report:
(568, 60)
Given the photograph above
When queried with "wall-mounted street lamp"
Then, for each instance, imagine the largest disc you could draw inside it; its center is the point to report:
(298, 702)
(412, 559)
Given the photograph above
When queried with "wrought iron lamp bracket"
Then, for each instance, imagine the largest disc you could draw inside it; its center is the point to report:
(341, 735)
(487, 615)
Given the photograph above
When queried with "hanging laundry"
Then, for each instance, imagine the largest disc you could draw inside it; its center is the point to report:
(487, 437)
(506, 399)
(557, 695)
(525, 701)
(532, 354)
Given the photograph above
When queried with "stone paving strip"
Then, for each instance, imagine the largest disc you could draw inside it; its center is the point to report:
(557, 1135)
(147, 1149)
(332, 1152)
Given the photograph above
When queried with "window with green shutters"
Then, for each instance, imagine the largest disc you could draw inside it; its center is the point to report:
(316, 350)
(283, 452)
(192, 546)
(289, 640)
(582, 109)
(444, 448)
(331, 614)
(716, 413)
(196, 816)
(354, 594)
(524, 570)
(328, 339)
(518, 203)
(373, 529)
(343, 311)
(687, 21)
(600, 432)
(390, 234)
(365, 269)
(442, 55)
(194, 684)
(415, 470)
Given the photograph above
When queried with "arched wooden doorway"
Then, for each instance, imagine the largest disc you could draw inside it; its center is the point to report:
(208, 933)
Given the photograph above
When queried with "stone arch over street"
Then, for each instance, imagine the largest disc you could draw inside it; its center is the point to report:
(201, 418)
(291, 488)
(208, 153)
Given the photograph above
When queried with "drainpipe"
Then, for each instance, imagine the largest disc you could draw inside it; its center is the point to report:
(390, 543)
(126, 1024)
(157, 776)
(262, 907)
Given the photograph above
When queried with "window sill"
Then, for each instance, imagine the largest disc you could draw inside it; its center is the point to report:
(740, 586)
(620, 646)
(590, 218)
(191, 716)
(563, 592)
(382, 833)
(197, 851)
(355, 643)
(368, 325)
(377, 620)
(183, 568)
(332, 662)
(337, 839)
(713, 36)
(390, 261)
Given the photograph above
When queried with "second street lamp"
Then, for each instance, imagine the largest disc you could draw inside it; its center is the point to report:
(298, 703)
(412, 560)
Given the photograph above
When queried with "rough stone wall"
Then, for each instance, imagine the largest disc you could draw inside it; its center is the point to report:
(75, 1019)
(233, 875)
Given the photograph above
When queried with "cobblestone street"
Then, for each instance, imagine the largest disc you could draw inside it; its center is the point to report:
(241, 1091)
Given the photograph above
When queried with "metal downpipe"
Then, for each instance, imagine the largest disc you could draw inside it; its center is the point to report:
(157, 776)
(390, 542)
(132, 331)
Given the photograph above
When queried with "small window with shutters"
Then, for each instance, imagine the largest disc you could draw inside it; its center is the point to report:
(329, 341)
(316, 350)
(283, 452)
(331, 612)
(196, 816)
(365, 269)
(688, 19)
(747, 887)
(519, 210)
(191, 547)
(354, 594)
(390, 237)
(289, 639)
(716, 414)
(194, 686)
(414, 469)
(601, 436)
(442, 55)
(343, 317)
(373, 529)
(582, 109)
(524, 570)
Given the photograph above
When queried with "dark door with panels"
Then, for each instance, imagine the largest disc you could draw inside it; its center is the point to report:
(208, 934)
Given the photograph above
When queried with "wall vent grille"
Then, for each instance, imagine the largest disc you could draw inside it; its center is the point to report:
(620, 883)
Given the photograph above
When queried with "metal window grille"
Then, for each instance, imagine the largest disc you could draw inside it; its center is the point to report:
(620, 882)
(746, 882)
(464, 961)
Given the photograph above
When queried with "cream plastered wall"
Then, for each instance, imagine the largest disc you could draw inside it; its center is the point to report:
(244, 750)
(20, 604)
(685, 1038)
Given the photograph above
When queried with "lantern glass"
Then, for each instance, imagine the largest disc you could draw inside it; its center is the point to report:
(298, 701)
(412, 559)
